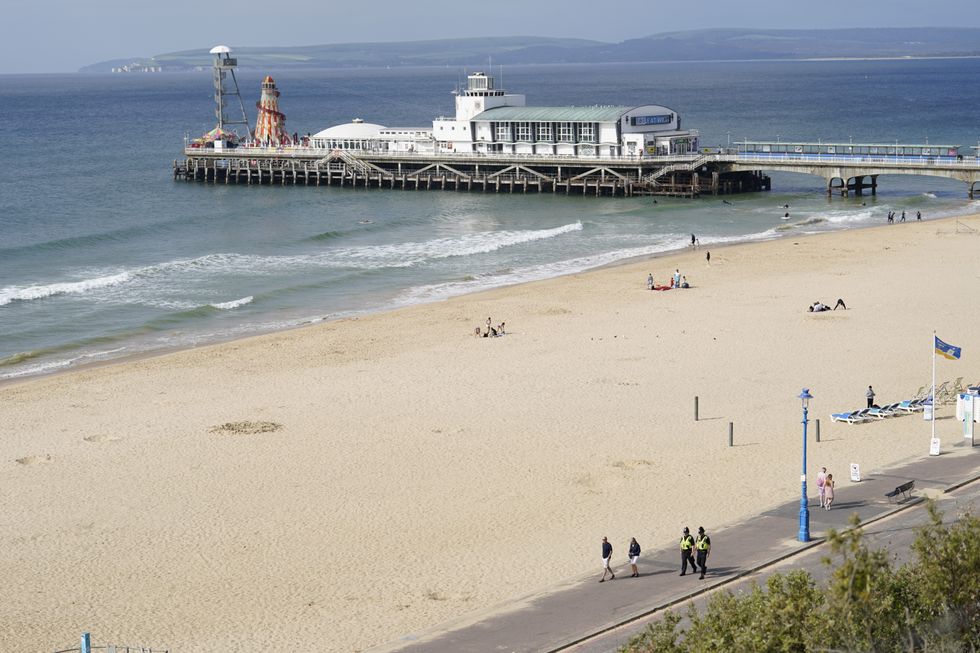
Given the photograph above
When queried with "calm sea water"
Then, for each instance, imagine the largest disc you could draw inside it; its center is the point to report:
(102, 254)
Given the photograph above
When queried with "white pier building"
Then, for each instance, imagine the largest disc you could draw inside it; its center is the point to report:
(491, 121)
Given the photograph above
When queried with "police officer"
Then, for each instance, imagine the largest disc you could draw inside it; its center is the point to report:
(702, 546)
(687, 548)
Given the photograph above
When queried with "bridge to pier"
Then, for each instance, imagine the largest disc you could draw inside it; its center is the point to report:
(853, 167)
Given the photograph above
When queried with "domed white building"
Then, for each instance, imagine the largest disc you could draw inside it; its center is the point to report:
(354, 135)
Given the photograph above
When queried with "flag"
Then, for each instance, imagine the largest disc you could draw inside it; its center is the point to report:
(949, 351)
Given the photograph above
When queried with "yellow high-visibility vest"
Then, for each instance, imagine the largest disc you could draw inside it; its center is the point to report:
(687, 542)
(702, 543)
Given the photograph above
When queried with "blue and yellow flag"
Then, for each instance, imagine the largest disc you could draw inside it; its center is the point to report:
(949, 351)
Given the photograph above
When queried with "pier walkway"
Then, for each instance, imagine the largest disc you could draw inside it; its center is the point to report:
(582, 615)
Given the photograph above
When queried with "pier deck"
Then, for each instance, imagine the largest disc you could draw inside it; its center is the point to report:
(688, 175)
(679, 176)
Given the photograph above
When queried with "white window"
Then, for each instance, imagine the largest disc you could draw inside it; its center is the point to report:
(566, 132)
(586, 132)
(544, 131)
(502, 132)
(522, 131)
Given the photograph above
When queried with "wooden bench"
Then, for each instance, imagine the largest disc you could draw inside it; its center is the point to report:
(905, 489)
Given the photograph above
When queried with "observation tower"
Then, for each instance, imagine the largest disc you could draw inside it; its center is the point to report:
(270, 126)
(224, 67)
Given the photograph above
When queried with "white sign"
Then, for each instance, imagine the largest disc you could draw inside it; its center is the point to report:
(855, 472)
(969, 405)
(934, 447)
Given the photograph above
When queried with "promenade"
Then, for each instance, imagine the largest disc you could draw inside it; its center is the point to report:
(583, 615)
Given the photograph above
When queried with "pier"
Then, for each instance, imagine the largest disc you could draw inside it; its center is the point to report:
(673, 176)
(684, 175)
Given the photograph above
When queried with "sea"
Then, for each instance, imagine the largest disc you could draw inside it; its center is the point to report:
(103, 255)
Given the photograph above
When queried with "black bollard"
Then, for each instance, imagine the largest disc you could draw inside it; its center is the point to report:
(731, 434)
(695, 408)
(818, 429)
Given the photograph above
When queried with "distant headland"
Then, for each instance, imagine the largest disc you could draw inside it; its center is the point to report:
(692, 45)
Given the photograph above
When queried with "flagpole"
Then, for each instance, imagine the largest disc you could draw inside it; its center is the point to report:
(933, 385)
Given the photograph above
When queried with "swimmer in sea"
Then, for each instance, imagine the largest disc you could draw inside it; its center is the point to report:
(366, 222)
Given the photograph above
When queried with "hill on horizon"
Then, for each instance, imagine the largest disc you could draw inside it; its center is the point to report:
(691, 45)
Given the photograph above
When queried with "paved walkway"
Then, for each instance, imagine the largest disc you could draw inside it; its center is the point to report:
(581, 608)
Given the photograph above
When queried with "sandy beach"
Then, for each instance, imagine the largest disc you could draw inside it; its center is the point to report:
(333, 487)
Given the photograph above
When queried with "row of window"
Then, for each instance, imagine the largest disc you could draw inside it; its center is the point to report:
(562, 132)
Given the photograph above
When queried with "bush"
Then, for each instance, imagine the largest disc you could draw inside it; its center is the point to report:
(930, 604)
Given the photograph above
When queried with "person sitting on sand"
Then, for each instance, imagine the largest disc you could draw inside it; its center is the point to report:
(684, 283)
(500, 329)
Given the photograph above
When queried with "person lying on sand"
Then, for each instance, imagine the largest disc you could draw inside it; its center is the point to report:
(818, 307)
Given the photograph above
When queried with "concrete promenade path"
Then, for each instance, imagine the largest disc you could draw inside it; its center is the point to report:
(583, 615)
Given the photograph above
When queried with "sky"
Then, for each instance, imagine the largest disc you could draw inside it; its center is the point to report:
(64, 35)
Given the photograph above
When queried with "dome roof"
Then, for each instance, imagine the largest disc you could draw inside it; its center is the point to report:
(220, 49)
(268, 80)
(356, 130)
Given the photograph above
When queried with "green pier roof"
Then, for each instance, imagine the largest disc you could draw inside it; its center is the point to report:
(554, 114)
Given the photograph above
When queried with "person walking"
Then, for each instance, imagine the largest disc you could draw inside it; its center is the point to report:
(918, 215)
(634, 556)
(822, 485)
(828, 490)
(606, 558)
(687, 549)
(707, 257)
(702, 544)
(870, 396)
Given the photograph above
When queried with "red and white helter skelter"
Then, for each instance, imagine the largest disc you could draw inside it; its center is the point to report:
(270, 127)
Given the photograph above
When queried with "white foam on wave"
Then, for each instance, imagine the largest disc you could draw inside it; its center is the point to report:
(227, 306)
(414, 253)
(931, 196)
(27, 293)
(436, 292)
(210, 265)
(50, 366)
(846, 217)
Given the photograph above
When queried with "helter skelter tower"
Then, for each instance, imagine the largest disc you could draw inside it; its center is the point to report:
(224, 66)
(270, 126)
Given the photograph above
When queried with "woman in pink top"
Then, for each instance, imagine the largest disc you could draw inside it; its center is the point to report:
(828, 490)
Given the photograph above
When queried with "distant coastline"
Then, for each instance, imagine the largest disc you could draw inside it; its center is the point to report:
(693, 45)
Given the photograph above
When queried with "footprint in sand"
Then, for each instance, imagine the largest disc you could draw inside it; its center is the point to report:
(35, 460)
(101, 438)
(246, 428)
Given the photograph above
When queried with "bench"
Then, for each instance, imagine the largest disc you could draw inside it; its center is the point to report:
(905, 489)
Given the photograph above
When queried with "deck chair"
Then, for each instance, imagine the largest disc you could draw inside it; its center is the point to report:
(912, 405)
(957, 387)
(921, 392)
(883, 411)
(852, 417)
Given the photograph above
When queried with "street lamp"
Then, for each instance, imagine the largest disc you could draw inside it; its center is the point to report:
(804, 535)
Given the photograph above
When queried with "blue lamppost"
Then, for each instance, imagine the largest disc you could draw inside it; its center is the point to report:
(804, 535)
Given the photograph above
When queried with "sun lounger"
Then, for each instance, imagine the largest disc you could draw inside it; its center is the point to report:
(852, 417)
(912, 405)
(883, 411)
